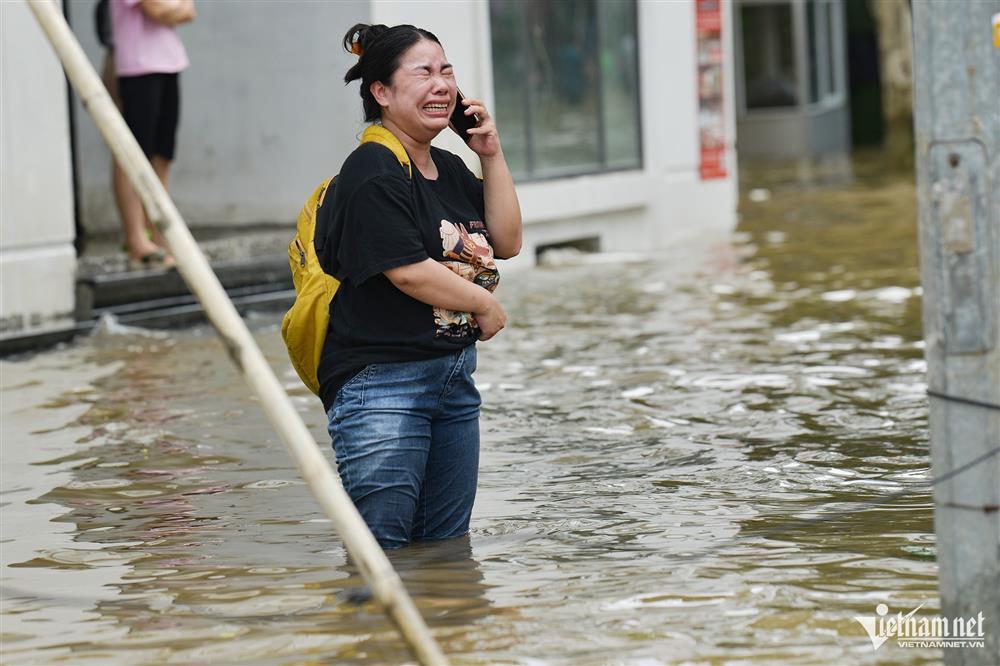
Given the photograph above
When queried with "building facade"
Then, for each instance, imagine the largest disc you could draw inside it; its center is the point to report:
(616, 116)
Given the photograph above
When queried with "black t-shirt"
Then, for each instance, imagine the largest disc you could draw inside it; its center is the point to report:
(378, 219)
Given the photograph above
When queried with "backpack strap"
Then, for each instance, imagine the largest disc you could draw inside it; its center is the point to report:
(380, 135)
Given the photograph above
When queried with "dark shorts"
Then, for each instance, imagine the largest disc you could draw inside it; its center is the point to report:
(151, 104)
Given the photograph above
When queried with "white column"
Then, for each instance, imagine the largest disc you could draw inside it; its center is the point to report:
(37, 258)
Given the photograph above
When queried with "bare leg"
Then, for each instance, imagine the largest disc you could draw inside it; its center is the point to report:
(134, 223)
(137, 243)
(161, 165)
(110, 79)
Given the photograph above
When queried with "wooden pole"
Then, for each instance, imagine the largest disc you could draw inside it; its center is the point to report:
(242, 349)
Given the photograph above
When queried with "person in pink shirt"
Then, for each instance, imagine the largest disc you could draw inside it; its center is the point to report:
(148, 59)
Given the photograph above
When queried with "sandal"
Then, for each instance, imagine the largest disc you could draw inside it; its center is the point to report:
(151, 260)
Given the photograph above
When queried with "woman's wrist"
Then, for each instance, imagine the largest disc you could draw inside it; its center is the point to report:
(495, 158)
(481, 301)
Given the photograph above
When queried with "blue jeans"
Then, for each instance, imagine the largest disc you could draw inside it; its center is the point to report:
(406, 436)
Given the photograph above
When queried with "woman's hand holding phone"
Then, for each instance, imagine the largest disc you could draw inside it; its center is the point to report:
(460, 122)
(473, 123)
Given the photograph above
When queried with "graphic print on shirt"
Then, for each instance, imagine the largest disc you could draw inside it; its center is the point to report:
(471, 257)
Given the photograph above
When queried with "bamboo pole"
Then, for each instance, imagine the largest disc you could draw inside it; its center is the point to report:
(194, 268)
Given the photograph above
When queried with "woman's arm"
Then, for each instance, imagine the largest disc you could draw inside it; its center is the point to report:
(431, 282)
(169, 12)
(503, 212)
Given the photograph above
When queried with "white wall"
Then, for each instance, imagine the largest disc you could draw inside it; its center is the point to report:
(265, 114)
(37, 259)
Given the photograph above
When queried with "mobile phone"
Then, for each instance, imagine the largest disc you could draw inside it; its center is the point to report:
(460, 122)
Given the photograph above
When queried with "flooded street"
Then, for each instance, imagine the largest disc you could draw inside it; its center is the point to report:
(680, 458)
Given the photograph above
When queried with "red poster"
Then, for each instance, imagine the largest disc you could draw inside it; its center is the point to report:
(711, 119)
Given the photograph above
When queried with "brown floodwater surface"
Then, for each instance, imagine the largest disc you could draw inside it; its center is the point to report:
(660, 439)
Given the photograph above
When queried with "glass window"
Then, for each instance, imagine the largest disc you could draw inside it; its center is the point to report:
(510, 71)
(814, 65)
(566, 83)
(768, 56)
(820, 17)
(564, 61)
(831, 80)
(619, 63)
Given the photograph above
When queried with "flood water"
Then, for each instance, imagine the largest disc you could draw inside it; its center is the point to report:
(680, 458)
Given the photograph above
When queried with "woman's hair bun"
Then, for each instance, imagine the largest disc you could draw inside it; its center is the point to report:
(361, 35)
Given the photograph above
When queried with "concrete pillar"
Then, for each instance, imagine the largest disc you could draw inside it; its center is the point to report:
(37, 258)
(957, 122)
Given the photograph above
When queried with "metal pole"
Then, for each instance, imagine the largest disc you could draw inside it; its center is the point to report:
(194, 268)
(957, 121)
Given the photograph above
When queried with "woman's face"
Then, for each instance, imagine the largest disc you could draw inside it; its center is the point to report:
(422, 94)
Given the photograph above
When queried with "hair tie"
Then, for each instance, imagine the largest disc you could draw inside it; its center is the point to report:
(356, 49)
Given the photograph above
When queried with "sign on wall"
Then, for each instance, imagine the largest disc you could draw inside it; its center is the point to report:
(711, 120)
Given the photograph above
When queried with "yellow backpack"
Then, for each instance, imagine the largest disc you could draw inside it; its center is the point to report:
(305, 324)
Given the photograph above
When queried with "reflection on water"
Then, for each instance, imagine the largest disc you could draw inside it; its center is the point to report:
(648, 428)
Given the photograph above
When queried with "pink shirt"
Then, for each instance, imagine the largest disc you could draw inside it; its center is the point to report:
(143, 46)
